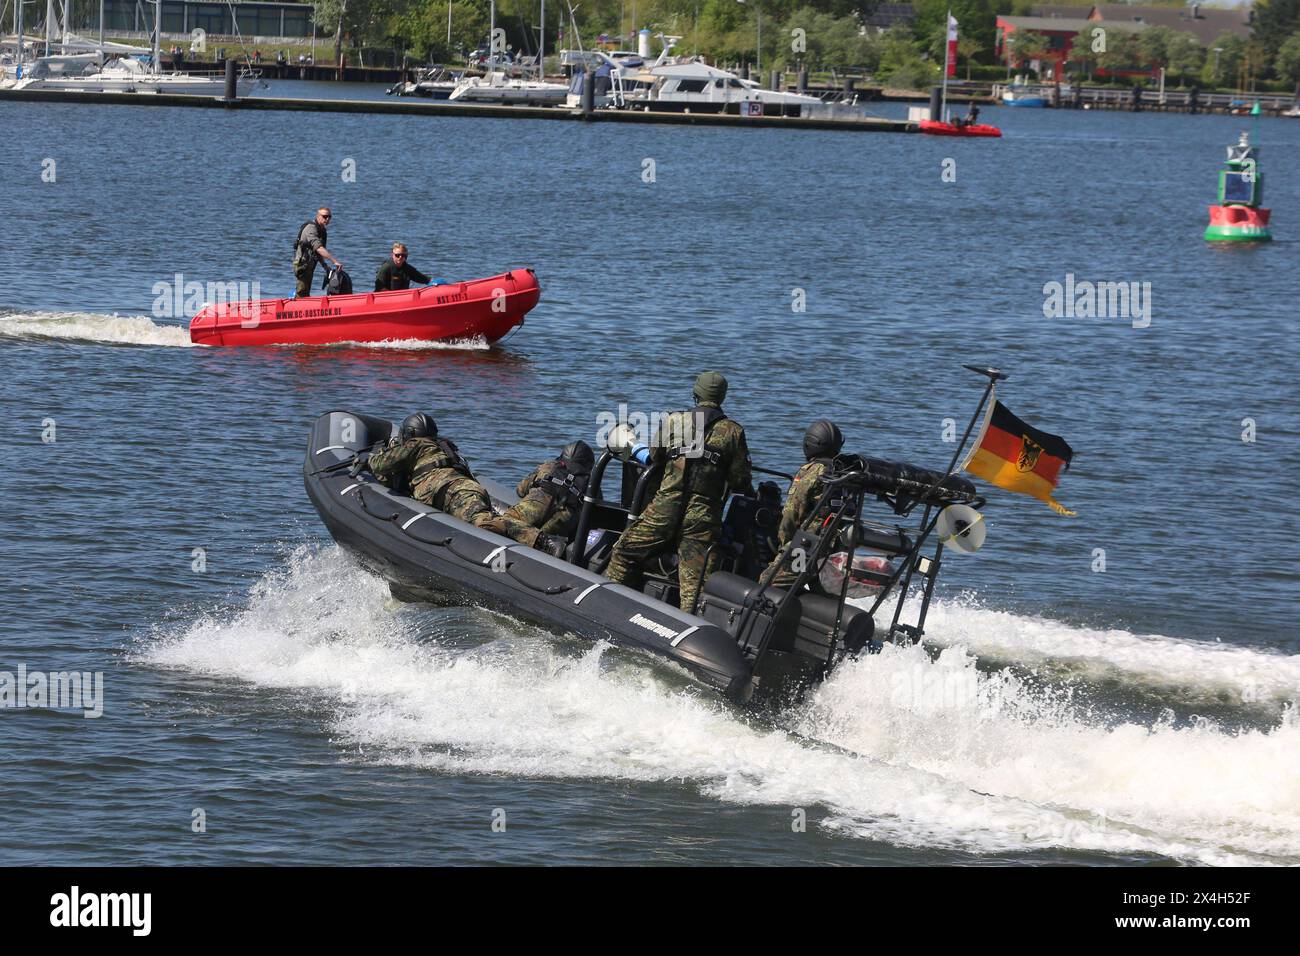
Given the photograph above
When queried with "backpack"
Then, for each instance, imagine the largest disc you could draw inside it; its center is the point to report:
(337, 282)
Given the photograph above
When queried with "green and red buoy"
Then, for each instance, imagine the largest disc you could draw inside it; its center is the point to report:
(1239, 217)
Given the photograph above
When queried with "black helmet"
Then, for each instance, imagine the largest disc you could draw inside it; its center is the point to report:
(823, 439)
(418, 425)
(578, 457)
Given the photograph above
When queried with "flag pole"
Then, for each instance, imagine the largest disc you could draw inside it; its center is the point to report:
(994, 376)
(943, 104)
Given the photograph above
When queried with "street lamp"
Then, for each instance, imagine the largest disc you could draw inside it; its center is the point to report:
(758, 46)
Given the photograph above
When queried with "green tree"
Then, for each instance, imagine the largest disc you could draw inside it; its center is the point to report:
(975, 19)
(1275, 21)
(901, 63)
(1082, 52)
(1026, 45)
(1222, 68)
(1123, 52)
(1287, 62)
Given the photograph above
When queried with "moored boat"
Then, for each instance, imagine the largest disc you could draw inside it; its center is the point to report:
(486, 308)
(937, 128)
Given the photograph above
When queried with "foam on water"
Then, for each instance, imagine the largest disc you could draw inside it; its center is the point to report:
(94, 327)
(114, 329)
(945, 756)
(1200, 670)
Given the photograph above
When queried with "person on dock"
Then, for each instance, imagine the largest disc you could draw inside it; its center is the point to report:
(551, 499)
(397, 272)
(703, 453)
(309, 248)
(821, 443)
(431, 469)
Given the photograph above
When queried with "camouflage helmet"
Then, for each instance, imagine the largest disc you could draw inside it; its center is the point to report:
(578, 457)
(823, 439)
(710, 387)
(418, 425)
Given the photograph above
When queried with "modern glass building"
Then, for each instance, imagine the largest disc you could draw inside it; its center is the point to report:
(215, 19)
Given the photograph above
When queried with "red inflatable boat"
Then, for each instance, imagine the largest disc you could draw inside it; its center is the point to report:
(460, 310)
(935, 128)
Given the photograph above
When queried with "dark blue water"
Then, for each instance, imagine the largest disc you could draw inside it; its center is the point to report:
(1143, 713)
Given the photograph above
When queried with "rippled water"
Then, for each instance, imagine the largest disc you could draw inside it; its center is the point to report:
(1141, 714)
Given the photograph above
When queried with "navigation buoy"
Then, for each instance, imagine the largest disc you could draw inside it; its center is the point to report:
(1238, 217)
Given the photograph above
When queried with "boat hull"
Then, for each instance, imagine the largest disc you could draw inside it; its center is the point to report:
(976, 130)
(487, 308)
(1238, 224)
(426, 554)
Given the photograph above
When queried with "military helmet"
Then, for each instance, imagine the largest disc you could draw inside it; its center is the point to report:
(823, 439)
(710, 387)
(418, 425)
(578, 457)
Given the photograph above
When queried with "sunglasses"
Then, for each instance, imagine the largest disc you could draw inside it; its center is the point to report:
(399, 255)
(327, 216)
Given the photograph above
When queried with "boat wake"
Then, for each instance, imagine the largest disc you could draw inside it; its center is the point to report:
(939, 753)
(110, 329)
(115, 329)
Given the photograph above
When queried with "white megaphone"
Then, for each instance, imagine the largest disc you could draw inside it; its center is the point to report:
(961, 528)
(623, 445)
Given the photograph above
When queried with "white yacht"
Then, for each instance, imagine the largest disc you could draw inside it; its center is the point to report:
(83, 65)
(675, 84)
(498, 86)
(82, 74)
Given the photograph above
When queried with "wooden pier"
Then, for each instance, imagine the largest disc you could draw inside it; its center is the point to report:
(412, 107)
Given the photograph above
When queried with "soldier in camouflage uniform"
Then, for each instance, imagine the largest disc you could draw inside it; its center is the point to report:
(434, 470)
(551, 499)
(703, 453)
(821, 443)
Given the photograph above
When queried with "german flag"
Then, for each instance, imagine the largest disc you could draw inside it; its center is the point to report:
(1018, 457)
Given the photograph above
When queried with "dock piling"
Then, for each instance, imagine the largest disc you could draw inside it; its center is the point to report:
(232, 92)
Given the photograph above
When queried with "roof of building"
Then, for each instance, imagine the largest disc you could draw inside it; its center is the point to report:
(1205, 23)
(1056, 10)
(1063, 24)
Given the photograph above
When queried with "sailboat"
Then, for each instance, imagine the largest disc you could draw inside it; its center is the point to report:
(960, 127)
(100, 66)
(498, 86)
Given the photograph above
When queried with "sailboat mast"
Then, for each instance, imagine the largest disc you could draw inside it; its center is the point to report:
(101, 31)
(49, 24)
(18, 29)
(541, 47)
(63, 35)
(157, 36)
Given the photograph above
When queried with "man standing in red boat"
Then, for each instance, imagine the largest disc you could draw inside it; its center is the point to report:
(309, 248)
(397, 272)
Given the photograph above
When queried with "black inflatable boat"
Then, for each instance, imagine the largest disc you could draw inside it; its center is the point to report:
(746, 637)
